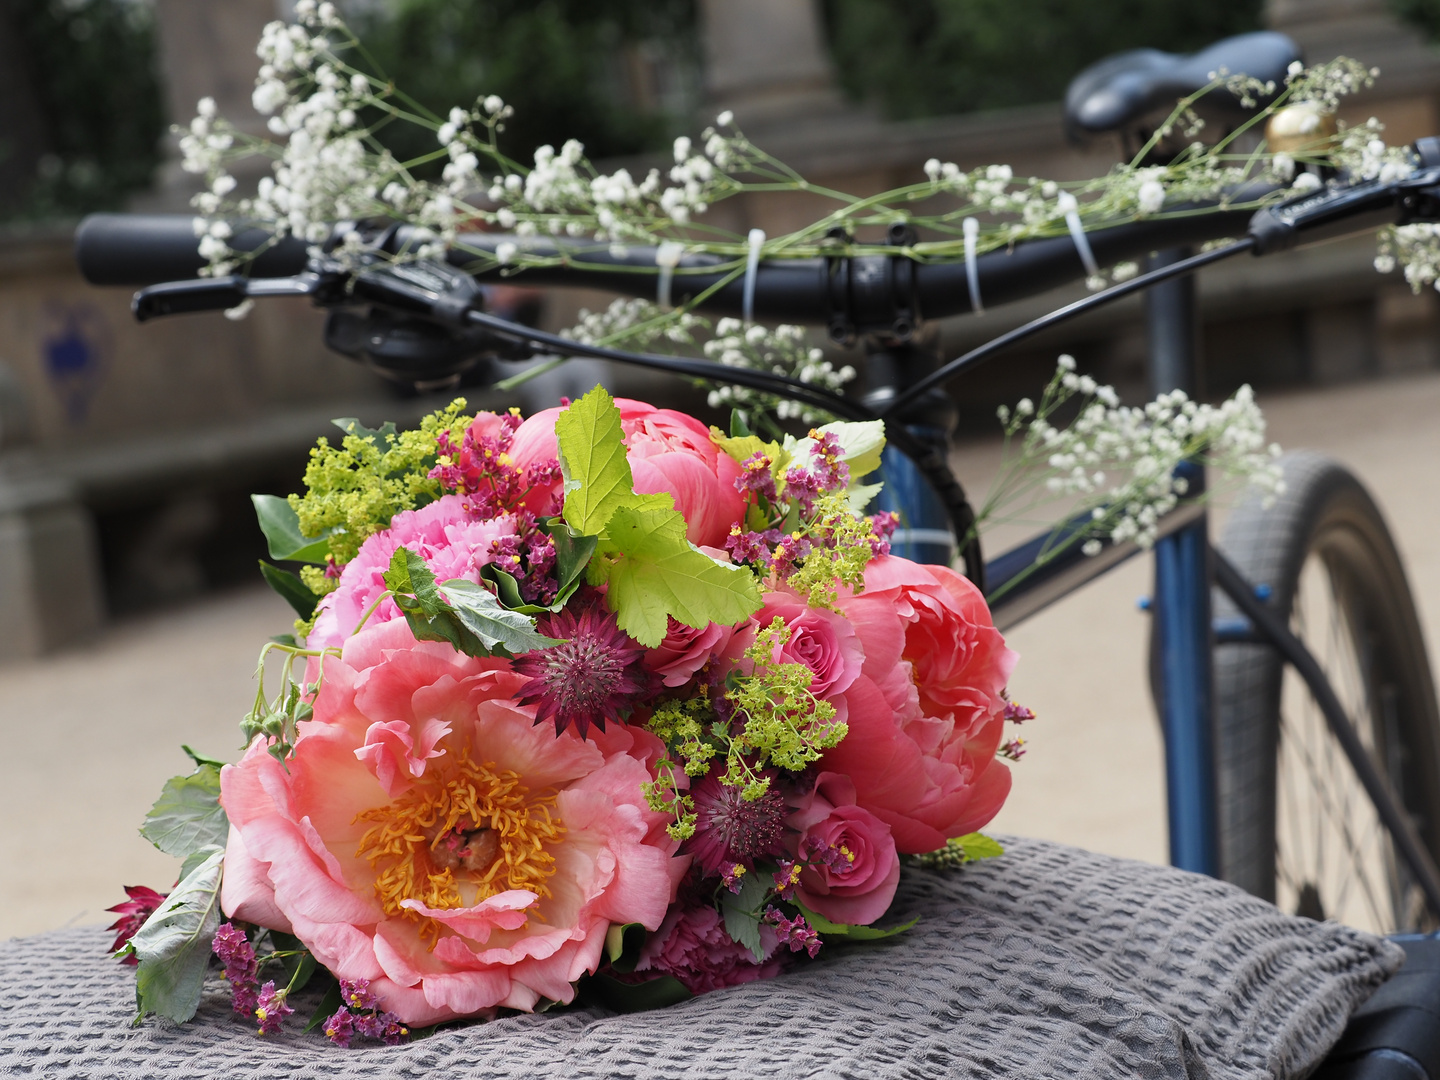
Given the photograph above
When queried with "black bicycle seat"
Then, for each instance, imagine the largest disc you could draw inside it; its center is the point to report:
(1115, 93)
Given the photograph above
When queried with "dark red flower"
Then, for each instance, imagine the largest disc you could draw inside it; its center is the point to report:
(142, 904)
(593, 675)
(730, 829)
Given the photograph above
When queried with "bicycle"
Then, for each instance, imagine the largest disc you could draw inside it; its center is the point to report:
(1321, 562)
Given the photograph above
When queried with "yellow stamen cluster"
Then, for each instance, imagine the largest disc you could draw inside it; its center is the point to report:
(461, 798)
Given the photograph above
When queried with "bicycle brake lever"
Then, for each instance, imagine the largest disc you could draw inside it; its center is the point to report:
(217, 294)
(1329, 213)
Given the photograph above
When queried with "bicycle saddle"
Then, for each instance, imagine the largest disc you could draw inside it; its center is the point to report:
(1114, 93)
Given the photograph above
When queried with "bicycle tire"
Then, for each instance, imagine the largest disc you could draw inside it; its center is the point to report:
(1296, 828)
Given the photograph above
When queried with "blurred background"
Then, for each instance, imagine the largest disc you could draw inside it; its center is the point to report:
(129, 617)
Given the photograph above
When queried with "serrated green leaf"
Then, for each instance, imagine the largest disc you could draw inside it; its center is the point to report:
(480, 613)
(291, 589)
(173, 946)
(741, 911)
(854, 933)
(409, 576)
(592, 459)
(659, 573)
(188, 815)
(281, 527)
(979, 846)
(381, 438)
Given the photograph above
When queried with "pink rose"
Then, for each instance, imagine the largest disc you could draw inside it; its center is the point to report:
(427, 836)
(686, 650)
(692, 945)
(852, 866)
(823, 641)
(926, 713)
(667, 451)
(453, 543)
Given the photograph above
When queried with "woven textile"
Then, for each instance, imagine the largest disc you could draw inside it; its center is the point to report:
(1048, 962)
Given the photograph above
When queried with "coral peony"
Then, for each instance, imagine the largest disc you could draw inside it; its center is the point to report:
(427, 836)
(851, 866)
(668, 451)
(926, 713)
(454, 543)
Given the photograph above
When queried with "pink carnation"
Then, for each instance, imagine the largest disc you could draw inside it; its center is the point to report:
(668, 451)
(428, 837)
(453, 543)
(926, 713)
(692, 945)
(851, 866)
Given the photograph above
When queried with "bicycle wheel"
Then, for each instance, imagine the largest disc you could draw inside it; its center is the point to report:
(1296, 826)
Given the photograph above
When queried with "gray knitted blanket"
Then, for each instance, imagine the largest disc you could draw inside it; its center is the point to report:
(1048, 962)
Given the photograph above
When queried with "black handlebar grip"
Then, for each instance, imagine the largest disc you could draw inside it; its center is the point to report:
(143, 249)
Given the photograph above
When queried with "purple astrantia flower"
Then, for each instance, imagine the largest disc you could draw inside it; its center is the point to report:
(142, 904)
(340, 1028)
(593, 675)
(730, 829)
(271, 1010)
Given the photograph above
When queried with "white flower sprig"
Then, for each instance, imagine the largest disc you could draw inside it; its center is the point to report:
(784, 350)
(1118, 462)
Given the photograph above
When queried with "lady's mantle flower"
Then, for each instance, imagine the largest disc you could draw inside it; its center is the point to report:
(142, 904)
(594, 675)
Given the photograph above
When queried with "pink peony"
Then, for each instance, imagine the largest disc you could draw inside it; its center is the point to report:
(453, 543)
(668, 451)
(427, 836)
(852, 866)
(686, 650)
(821, 640)
(926, 713)
(692, 945)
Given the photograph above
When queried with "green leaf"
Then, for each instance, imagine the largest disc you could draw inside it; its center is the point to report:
(195, 858)
(409, 576)
(302, 962)
(623, 945)
(979, 846)
(739, 424)
(480, 613)
(188, 815)
(742, 913)
(291, 589)
(592, 458)
(381, 438)
(854, 933)
(662, 574)
(328, 1004)
(173, 946)
(201, 759)
(572, 552)
(281, 527)
(637, 997)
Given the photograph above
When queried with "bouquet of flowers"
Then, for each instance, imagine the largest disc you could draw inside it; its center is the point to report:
(600, 697)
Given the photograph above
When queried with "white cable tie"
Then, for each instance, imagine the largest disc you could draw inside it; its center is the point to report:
(667, 257)
(972, 269)
(1071, 209)
(752, 267)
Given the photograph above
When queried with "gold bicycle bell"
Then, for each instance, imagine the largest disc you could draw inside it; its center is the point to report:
(1295, 129)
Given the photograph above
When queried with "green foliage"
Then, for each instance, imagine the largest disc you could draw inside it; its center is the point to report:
(467, 616)
(960, 851)
(281, 526)
(173, 946)
(854, 933)
(741, 911)
(573, 69)
(826, 567)
(91, 65)
(353, 490)
(683, 725)
(294, 591)
(652, 570)
(188, 815)
(933, 57)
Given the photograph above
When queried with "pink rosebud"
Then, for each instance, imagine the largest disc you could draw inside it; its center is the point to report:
(850, 866)
(823, 641)
(686, 650)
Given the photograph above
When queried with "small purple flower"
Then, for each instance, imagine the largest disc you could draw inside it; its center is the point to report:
(383, 1026)
(796, 932)
(1017, 713)
(236, 953)
(786, 878)
(340, 1028)
(271, 1010)
(245, 1000)
(756, 477)
(1014, 749)
(357, 994)
(731, 877)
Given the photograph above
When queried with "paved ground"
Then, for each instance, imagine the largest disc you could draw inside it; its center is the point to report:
(92, 734)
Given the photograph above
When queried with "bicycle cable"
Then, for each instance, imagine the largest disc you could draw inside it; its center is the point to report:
(1059, 315)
